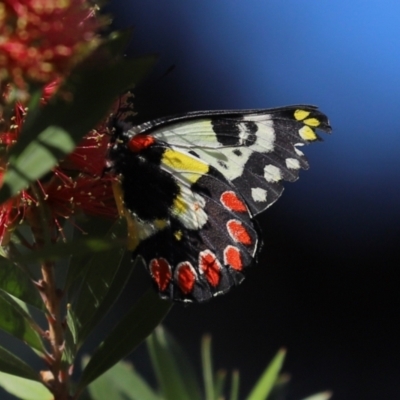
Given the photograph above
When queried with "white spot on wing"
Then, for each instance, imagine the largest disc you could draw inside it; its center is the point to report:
(259, 194)
(292, 163)
(189, 209)
(298, 152)
(272, 173)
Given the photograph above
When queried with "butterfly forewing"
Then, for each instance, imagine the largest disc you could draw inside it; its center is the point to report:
(193, 183)
(255, 149)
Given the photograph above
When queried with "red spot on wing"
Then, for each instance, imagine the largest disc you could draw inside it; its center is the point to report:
(233, 258)
(238, 232)
(140, 142)
(161, 272)
(232, 202)
(185, 276)
(210, 266)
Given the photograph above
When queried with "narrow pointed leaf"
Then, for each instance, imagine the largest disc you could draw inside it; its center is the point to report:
(320, 396)
(122, 274)
(79, 273)
(267, 380)
(103, 390)
(71, 347)
(11, 364)
(24, 389)
(281, 387)
(207, 367)
(174, 372)
(56, 251)
(36, 159)
(122, 379)
(135, 326)
(18, 283)
(234, 395)
(17, 322)
(220, 380)
(96, 283)
(93, 227)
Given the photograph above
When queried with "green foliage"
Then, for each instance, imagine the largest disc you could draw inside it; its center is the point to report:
(122, 382)
(131, 330)
(177, 380)
(174, 372)
(24, 389)
(91, 270)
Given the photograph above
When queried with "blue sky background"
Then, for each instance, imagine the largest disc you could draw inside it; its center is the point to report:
(329, 288)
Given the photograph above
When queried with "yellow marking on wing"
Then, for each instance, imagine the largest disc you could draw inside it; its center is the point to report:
(178, 235)
(133, 238)
(180, 205)
(301, 114)
(180, 162)
(307, 133)
(160, 224)
(312, 122)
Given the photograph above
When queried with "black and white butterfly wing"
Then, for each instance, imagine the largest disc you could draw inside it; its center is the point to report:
(193, 183)
(255, 149)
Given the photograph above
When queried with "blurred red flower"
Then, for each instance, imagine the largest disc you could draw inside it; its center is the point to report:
(42, 39)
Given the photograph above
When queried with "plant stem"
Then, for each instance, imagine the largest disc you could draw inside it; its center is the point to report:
(57, 378)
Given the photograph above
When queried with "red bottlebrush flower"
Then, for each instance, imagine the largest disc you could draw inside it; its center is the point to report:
(41, 40)
(89, 156)
(89, 194)
(12, 212)
(77, 184)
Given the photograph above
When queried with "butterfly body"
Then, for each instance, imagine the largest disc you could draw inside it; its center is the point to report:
(193, 183)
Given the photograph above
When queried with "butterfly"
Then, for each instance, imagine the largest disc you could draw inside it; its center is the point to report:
(193, 183)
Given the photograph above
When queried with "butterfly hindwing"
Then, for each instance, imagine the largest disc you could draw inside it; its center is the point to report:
(198, 243)
(194, 182)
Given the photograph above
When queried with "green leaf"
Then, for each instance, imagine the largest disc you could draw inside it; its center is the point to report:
(11, 364)
(134, 327)
(17, 283)
(97, 282)
(51, 132)
(71, 348)
(220, 379)
(208, 373)
(174, 372)
(93, 227)
(36, 159)
(24, 389)
(121, 379)
(280, 388)
(266, 382)
(235, 386)
(122, 274)
(105, 390)
(56, 251)
(320, 396)
(18, 323)
(78, 270)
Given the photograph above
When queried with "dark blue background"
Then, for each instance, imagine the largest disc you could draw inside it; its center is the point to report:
(327, 282)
